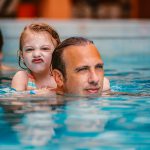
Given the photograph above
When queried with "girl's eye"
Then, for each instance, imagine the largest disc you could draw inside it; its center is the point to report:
(45, 48)
(29, 49)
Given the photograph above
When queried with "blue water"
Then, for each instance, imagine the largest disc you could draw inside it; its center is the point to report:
(104, 123)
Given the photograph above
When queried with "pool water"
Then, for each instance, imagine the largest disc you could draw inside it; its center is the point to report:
(120, 121)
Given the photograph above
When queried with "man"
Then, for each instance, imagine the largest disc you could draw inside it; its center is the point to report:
(78, 68)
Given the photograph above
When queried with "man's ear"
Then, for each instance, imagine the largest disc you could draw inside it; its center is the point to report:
(58, 78)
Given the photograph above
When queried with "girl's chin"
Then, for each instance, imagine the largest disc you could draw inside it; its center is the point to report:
(38, 71)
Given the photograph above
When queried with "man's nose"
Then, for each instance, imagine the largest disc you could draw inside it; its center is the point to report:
(93, 77)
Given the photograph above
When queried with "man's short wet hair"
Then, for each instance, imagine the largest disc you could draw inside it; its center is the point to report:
(57, 56)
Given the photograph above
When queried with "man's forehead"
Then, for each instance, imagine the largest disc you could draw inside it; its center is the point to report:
(79, 54)
(75, 50)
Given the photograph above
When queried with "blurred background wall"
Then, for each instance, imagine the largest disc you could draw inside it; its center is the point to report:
(113, 25)
(69, 9)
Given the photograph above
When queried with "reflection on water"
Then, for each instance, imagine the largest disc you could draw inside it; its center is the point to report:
(84, 119)
(35, 128)
(120, 121)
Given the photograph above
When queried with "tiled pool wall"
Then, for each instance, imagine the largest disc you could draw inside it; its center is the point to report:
(112, 37)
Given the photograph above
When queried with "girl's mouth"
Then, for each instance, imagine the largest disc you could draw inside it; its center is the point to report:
(37, 60)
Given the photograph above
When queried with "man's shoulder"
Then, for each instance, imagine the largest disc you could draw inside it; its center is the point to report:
(106, 84)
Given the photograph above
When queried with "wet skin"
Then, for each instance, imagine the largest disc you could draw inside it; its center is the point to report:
(37, 51)
(84, 71)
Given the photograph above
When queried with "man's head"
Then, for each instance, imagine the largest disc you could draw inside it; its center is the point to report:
(78, 67)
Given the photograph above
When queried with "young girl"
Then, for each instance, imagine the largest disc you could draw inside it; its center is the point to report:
(37, 42)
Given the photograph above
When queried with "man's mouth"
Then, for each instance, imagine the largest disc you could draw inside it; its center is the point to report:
(92, 90)
(38, 60)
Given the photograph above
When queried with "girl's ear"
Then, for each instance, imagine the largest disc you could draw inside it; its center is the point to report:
(58, 78)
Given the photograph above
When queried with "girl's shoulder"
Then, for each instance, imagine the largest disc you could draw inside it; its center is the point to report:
(19, 81)
(21, 74)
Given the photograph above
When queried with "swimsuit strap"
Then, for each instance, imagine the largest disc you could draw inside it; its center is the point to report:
(31, 82)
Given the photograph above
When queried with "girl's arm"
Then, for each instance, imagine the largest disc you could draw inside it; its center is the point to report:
(19, 81)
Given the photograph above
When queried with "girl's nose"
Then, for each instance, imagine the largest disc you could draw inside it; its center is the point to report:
(36, 53)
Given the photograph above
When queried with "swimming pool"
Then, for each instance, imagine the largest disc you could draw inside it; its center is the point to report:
(110, 122)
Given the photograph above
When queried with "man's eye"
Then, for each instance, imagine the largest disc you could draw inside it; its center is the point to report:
(81, 69)
(99, 66)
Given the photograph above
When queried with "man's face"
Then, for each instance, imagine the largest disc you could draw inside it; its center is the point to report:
(84, 70)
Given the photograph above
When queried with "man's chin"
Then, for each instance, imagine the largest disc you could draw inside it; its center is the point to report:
(79, 94)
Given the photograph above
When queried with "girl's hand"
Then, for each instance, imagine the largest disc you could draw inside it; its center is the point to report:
(43, 91)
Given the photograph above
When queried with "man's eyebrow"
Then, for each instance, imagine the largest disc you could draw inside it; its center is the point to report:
(80, 68)
(100, 64)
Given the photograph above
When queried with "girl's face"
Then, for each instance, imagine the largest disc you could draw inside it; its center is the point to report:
(37, 48)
